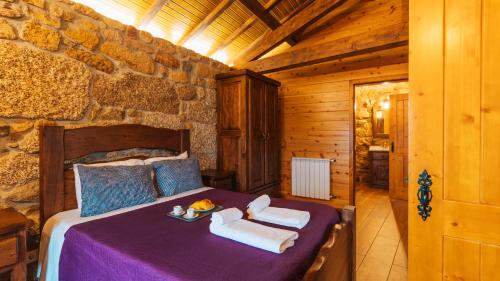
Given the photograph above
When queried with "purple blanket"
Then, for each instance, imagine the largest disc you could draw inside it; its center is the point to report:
(146, 244)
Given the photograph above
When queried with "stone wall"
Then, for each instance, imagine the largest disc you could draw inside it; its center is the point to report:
(63, 63)
(368, 96)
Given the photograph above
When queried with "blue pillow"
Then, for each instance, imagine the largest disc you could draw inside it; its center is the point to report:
(110, 188)
(176, 176)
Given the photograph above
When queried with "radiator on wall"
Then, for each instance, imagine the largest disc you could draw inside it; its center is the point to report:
(311, 177)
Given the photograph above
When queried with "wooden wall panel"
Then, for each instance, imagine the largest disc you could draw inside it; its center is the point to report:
(316, 115)
(462, 112)
(490, 105)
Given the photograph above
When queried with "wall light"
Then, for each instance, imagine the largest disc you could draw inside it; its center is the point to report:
(198, 45)
(220, 56)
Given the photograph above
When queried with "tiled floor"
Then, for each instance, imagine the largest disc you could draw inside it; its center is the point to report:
(381, 236)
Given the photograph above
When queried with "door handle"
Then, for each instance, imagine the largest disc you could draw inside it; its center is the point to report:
(424, 195)
(392, 146)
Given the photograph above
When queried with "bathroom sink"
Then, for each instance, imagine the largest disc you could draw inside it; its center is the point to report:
(378, 148)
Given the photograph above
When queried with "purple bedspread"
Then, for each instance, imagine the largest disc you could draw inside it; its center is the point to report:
(146, 244)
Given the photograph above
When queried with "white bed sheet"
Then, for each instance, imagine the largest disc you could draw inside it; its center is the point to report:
(52, 238)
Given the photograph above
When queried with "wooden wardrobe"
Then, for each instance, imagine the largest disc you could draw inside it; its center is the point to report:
(248, 131)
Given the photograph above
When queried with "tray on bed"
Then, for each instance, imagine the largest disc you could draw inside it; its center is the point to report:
(200, 214)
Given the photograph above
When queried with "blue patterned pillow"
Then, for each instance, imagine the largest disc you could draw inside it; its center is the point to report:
(176, 176)
(110, 188)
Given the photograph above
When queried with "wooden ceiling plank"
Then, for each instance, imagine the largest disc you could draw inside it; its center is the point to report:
(235, 34)
(297, 23)
(211, 17)
(151, 13)
(374, 40)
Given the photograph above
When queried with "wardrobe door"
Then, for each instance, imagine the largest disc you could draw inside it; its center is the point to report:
(257, 130)
(232, 128)
(272, 137)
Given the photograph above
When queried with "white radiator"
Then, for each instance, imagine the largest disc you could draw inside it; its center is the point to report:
(311, 177)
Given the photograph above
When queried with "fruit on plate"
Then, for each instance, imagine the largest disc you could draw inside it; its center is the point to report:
(202, 205)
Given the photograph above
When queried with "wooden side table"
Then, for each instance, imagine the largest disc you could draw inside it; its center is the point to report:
(219, 179)
(13, 228)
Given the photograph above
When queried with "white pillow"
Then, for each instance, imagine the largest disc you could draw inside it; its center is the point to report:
(150, 161)
(78, 184)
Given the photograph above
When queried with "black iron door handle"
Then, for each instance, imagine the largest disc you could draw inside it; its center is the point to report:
(424, 195)
(392, 146)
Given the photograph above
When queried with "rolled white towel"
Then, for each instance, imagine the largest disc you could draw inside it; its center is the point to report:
(226, 216)
(282, 216)
(253, 234)
(260, 203)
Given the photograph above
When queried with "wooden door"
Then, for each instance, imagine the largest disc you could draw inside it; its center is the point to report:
(454, 135)
(257, 130)
(231, 126)
(398, 160)
(272, 140)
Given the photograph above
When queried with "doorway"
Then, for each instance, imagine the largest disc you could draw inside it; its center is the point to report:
(381, 179)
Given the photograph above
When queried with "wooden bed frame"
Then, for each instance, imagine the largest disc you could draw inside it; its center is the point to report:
(335, 259)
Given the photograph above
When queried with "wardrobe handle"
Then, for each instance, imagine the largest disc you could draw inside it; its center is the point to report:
(424, 195)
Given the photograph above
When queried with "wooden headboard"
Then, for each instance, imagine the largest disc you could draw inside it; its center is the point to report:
(57, 144)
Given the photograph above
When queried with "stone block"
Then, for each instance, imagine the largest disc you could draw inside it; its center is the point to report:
(4, 130)
(45, 18)
(30, 91)
(18, 168)
(23, 193)
(20, 127)
(136, 60)
(114, 24)
(10, 11)
(111, 113)
(38, 3)
(84, 10)
(166, 59)
(7, 31)
(179, 76)
(198, 111)
(29, 143)
(132, 91)
(96, 61)
(187, 92)
(41, 36)
(59, 12)
(161, 120)
(113, 35)
(146, 36)
(87, 38)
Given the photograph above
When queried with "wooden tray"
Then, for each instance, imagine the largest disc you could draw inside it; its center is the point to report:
(200, 214)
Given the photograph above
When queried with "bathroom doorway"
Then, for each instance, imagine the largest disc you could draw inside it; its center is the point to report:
(381, 178)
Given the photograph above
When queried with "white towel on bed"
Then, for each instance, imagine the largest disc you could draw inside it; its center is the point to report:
(259, 210)
(227, 216)
(253, 234)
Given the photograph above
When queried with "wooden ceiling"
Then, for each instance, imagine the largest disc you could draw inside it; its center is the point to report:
(221, 29)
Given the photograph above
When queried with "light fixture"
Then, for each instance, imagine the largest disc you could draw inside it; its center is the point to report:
(111, 10)
(201, 46)
(386, 104)
(379, 114)
(220, 56)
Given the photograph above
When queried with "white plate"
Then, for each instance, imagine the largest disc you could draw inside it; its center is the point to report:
(177, 215)
(190, 218)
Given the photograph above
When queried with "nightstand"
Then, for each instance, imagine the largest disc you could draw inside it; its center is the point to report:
(219, 179)
(13, 227)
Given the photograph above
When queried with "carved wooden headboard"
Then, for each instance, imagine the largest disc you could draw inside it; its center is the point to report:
(57, 145)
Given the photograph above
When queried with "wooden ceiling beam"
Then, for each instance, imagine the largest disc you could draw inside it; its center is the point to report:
(151, 13)
(257, 9)
(294, 25)
(263, 14)
(235, 34)
(211, 17)
(370, 41)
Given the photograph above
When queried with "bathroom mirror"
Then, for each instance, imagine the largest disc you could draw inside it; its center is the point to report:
(380, 123)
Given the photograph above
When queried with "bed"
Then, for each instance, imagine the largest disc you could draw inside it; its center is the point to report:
(142, 243)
